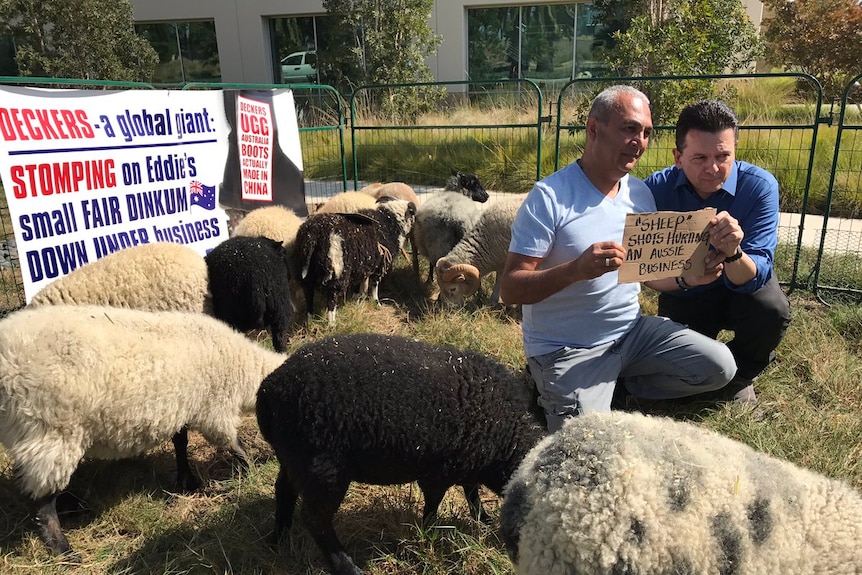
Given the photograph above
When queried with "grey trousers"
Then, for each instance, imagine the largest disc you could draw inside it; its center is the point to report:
(659, 359)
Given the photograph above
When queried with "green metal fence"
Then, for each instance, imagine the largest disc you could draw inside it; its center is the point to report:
(471, 122)
(838, 268)
(418, 133)
(779, 136)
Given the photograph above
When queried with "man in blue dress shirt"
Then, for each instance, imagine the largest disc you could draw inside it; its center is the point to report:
(746, 298)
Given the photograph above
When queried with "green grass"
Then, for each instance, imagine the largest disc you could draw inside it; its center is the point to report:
(808, 413)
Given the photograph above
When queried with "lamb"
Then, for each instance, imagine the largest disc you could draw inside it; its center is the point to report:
(444, 218)
(628, 493)
(82, 381)
(249, 278)
(384, 410)
(337, 252)
(483, 250)
(157, 276)
(347, 203)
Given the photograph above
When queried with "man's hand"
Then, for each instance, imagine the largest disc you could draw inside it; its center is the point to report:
(601, 258)
(724, 235)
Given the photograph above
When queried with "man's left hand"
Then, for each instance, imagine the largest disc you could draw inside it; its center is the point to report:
(725, 234)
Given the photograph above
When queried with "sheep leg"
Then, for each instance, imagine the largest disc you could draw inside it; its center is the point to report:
(50, 531)
(471, 493)
(433, 494)
(285, 502)
(186, 480)
(240, 456)
(321, 498)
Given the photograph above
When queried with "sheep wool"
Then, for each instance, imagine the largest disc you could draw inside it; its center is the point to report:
(347, 203)
(108, 383)
(625, 493)
(273, 222)
(249, 278)
(158, 276)
(383, 410)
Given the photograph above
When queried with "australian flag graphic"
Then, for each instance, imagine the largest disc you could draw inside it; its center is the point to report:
(201, 195)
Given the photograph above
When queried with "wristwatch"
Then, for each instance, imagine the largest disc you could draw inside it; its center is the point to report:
(680, 283)
(735, 256)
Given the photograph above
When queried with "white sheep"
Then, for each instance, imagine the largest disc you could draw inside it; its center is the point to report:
(481, 251)
(157, 276)
(398, 191)
(274, 222)
(103, 382)
(628, 493)
(347, 203)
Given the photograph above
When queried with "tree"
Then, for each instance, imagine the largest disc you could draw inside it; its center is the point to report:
(676, 38)
(88, 39)
(379, 42)
(818, 37)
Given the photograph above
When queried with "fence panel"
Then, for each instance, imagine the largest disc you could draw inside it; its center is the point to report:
(418, 133)
(839, 271)
(11, 283)
(779, 116)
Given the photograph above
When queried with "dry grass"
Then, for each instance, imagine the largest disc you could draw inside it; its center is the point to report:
(808, 413)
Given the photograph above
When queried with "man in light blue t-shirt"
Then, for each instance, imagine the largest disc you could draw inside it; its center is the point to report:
(582, 329)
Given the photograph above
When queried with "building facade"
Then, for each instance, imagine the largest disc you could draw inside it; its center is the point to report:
(271, 41)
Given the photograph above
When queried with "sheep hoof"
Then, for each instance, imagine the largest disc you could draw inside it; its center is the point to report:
(187, 483)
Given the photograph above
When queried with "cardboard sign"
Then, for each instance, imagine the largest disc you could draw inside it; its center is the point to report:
(665, 245)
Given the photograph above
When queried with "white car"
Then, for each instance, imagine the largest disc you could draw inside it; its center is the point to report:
(299, 67)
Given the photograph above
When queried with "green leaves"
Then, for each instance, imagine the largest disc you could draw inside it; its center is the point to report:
(90, 39)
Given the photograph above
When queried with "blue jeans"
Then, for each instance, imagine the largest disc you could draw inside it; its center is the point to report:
(659, 359)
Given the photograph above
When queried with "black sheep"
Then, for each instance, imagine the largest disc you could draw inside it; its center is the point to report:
(385, 410)
(340, 252)
(249, 283)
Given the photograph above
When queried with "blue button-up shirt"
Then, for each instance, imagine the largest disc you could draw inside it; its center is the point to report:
(750, 195)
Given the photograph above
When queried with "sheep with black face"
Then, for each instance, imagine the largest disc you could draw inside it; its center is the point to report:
(340, 252)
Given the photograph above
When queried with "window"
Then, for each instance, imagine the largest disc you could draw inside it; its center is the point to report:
(188, 51)
(546, 42)
(295, 42)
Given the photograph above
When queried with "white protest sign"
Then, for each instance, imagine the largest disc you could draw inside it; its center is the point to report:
(89, 172)
(665, 244)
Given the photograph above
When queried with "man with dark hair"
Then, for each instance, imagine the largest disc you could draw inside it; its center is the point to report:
(582, 329)
(746, 297)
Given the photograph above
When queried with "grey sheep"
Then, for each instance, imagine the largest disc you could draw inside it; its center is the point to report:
(342, 252)
(625, 493)
(109, 383)
(445, 217)
(384, 410)
(249, 279)
(483, 250)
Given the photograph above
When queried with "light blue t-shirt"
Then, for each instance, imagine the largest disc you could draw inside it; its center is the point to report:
(562, 216)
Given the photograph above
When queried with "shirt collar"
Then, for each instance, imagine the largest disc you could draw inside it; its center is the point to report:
(729, 184)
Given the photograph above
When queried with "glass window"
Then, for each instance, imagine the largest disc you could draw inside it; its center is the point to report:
(546, 42)
(294, 45)
(188, 51)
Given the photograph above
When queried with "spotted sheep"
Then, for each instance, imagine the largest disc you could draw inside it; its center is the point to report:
(340, 252)
(625, 493)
